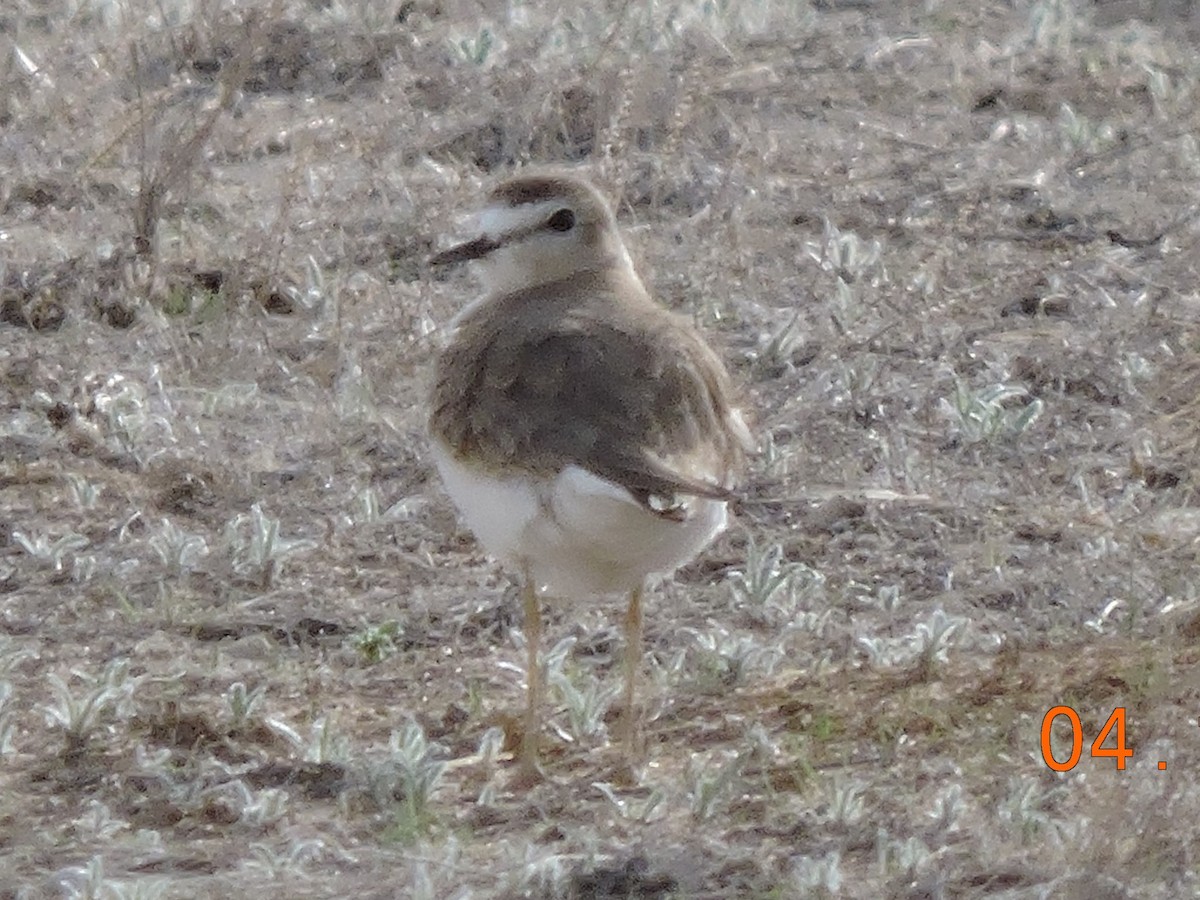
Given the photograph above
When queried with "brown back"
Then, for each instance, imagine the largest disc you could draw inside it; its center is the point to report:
(589, 372)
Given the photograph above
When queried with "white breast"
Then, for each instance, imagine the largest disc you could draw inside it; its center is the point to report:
(577, 534)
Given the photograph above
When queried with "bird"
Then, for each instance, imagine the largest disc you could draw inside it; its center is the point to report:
(589, 437)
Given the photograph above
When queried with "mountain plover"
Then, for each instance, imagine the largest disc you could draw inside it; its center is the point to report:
(587, 435)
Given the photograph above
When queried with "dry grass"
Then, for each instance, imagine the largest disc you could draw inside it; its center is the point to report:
(246, 651)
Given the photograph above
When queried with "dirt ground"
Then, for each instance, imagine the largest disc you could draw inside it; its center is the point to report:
(949, 252)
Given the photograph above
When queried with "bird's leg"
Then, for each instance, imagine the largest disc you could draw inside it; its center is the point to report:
(633, 657)
(533, 677)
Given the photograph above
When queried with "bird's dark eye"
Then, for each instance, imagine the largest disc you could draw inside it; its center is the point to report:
(562, 220)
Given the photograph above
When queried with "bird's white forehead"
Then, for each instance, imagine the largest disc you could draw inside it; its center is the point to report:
(501, 219)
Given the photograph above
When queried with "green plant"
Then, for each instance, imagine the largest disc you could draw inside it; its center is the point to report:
(903, 856)
(7, 726)
(12, 654)
(1081, 134)
(985, 416)
(129, 420)
(763, 575)
(1053, 25)
(47, 552)
(721, 659)
(256, 548)
(846, 806)
(324, 742)
(490, 746)
(475, 50)
(934, 638)
(779, 351)
(949, 808)
(925, 648)
(242, 704)
(354, 395)
(376, 643)
(818, 876)
(85, 493)
(178, 550)
(419, 772)
(89, 883)
(366, 503)
(772, 592)
(1029, 806)
(850, 260)
(710, 783)
(585, 697)
(178, 301)
(294, 859)
(257, 809)
(79, 715)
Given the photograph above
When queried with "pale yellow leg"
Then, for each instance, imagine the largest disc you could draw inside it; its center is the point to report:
(633, 658)
(533, 676)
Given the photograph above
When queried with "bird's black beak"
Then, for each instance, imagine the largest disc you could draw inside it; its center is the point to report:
(475, 249)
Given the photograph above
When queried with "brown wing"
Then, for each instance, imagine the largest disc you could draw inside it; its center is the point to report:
(644, 407)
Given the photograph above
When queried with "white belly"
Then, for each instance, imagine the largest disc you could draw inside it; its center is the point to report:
(577, 534)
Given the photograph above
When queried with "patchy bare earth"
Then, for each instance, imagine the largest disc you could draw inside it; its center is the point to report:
(950, 252)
